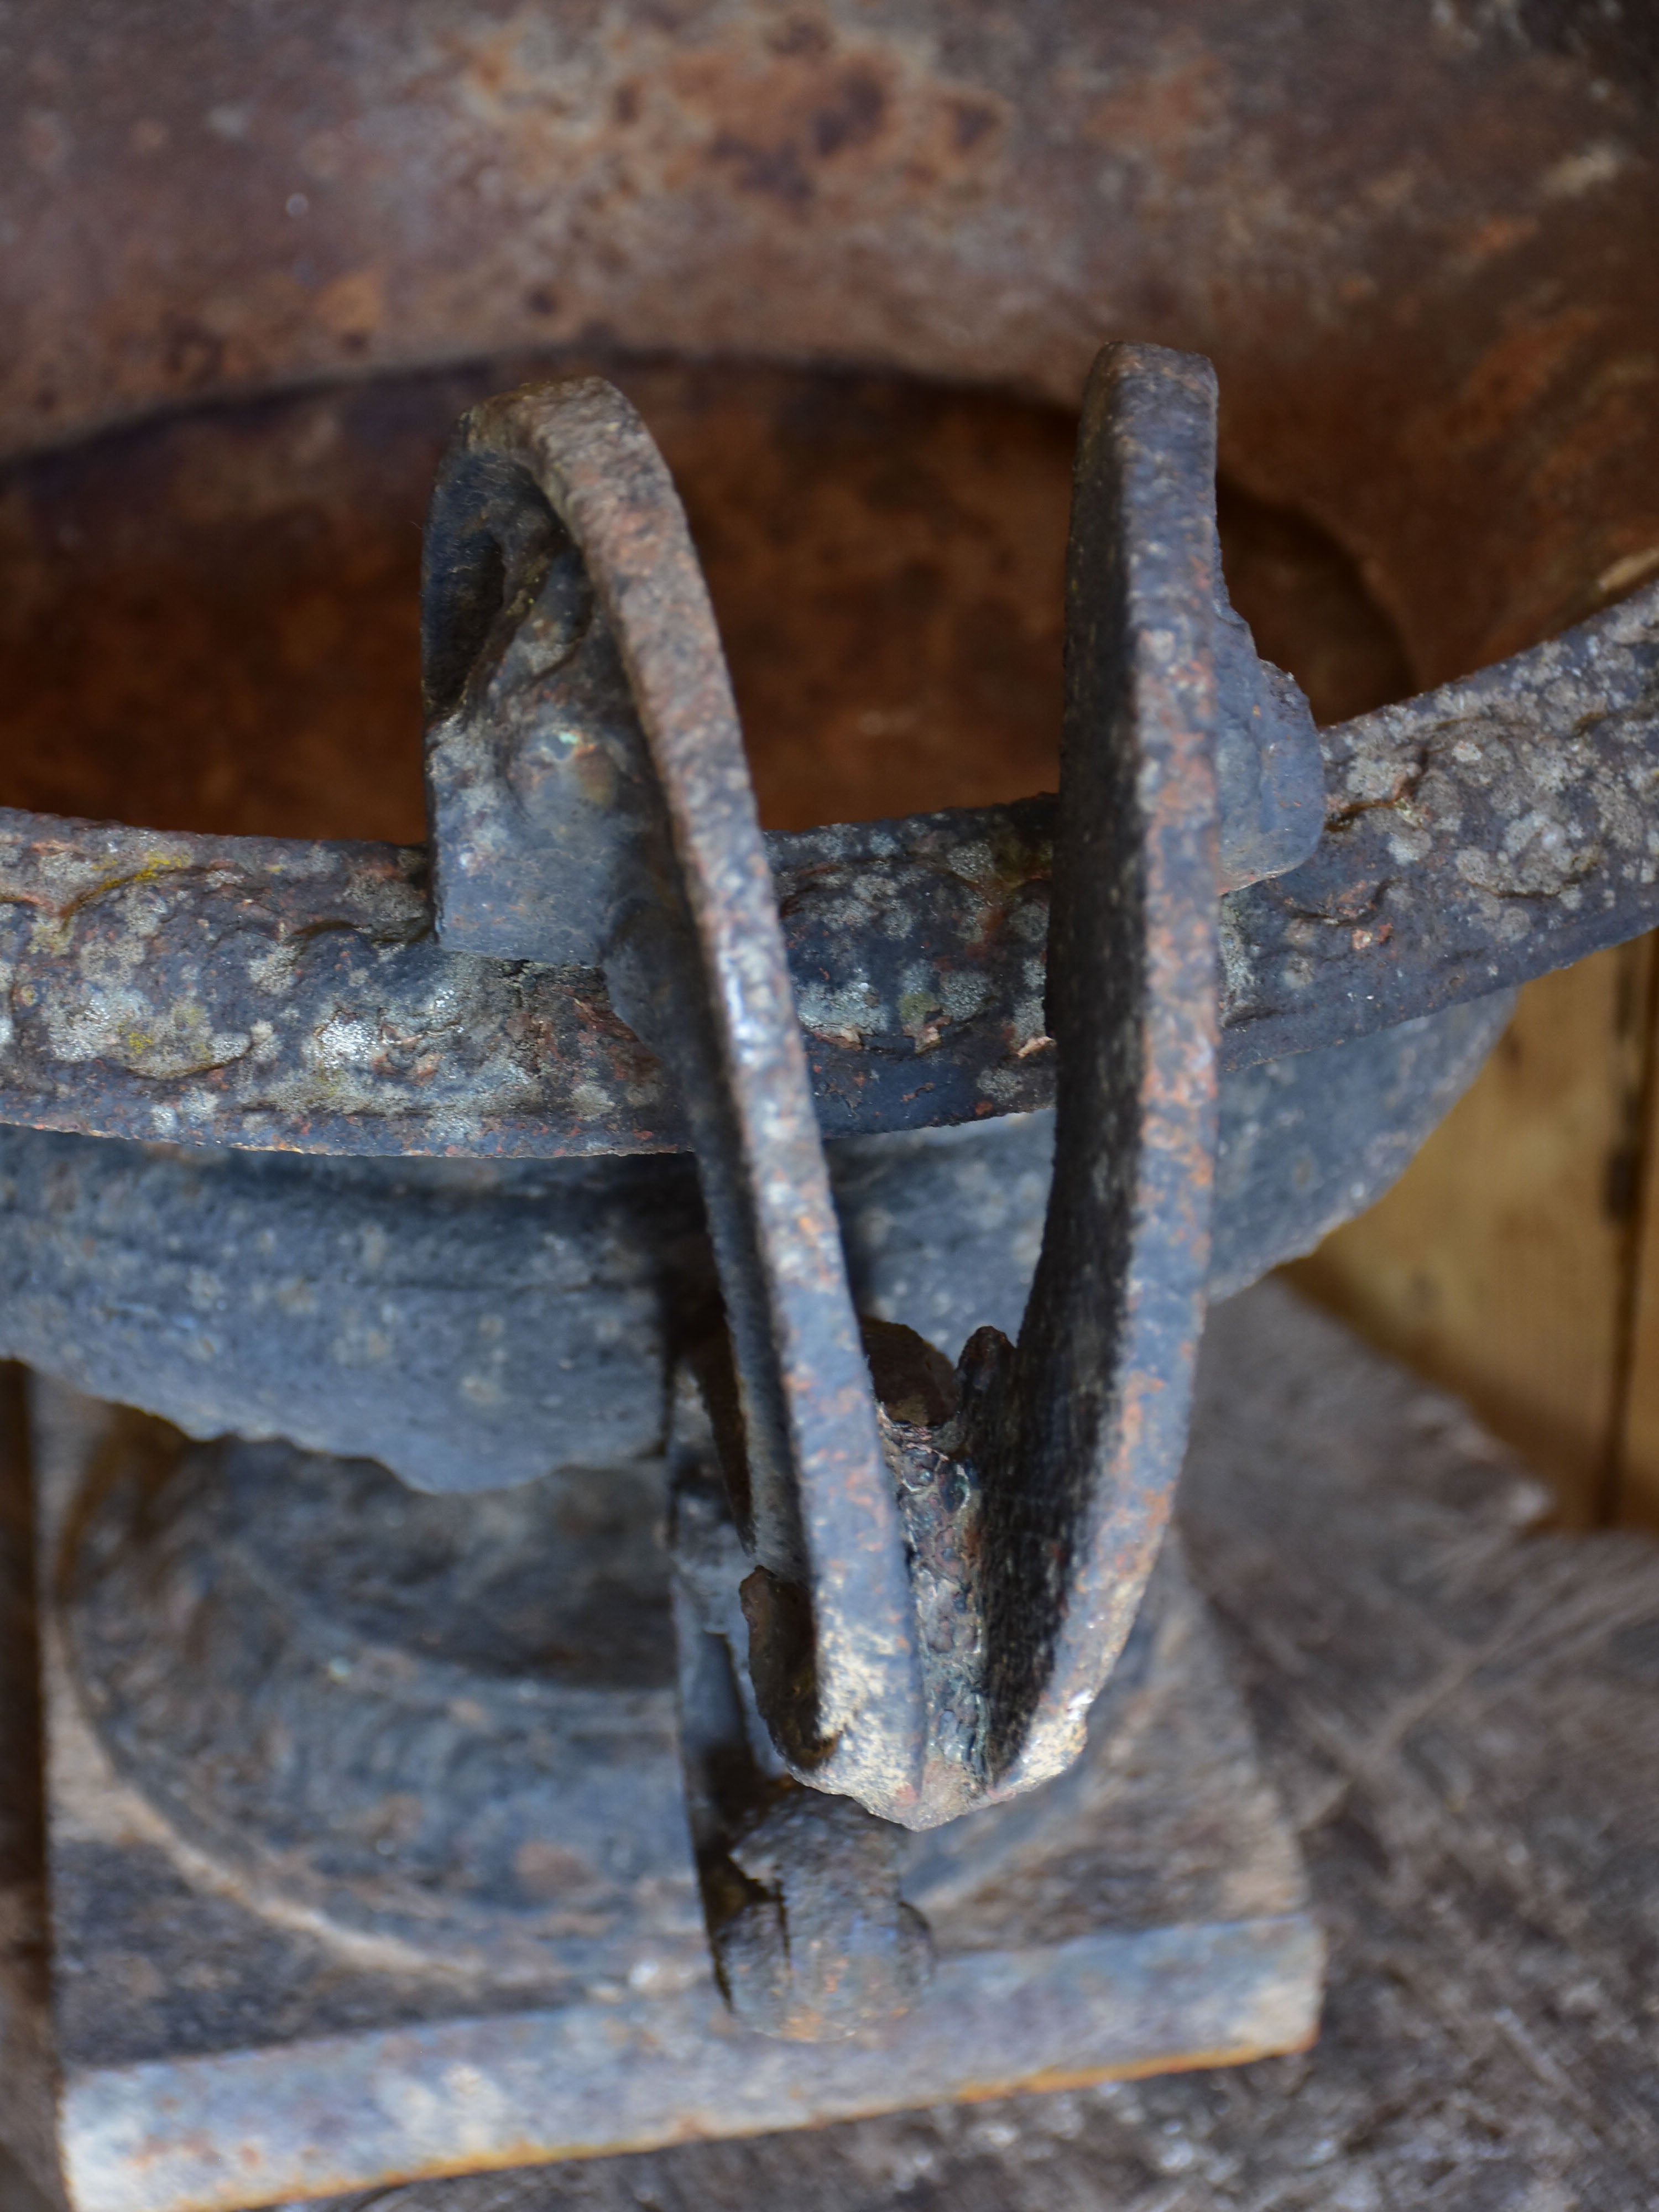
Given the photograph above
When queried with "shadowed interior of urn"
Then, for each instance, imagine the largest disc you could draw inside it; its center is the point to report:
(211, 622)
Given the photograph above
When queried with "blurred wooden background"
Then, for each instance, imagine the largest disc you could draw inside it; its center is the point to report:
(1518, 1260)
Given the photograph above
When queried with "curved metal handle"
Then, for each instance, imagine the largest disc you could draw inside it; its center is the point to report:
(932, 1611)
(1085, 1425)
(675, 900)
(1035, 1515)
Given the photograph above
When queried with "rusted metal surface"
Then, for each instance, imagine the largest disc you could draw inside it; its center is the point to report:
(674, 899)
(287, 996)
(543, 823)
(1479, 1835)
(212, 621)
(473, 1323)
(521, 657)
(591, 812)
(1269, 770)
(444, 1728)
(1074, 1436)
(975, 199)
(910, 943)
(1411, 242)
(812, 1942)
(1479, 835)
(263, 993)
(340, 2113)
(292, 996)
(228, 1947)
(1076, 1439)
(540, 791)
(810, 1937)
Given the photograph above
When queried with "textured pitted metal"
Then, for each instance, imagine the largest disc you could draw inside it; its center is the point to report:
(684, 921)
(1031, 1518)
(590, 806)
(473, 1323)
(810, 1939)
(615, 968)
(1033, 1508)
(288, 996)
(1078, 1435)
(1476, 836)
(281, 995)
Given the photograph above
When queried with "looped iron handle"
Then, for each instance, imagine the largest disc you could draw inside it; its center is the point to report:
(674, 900)
(931, 1611)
